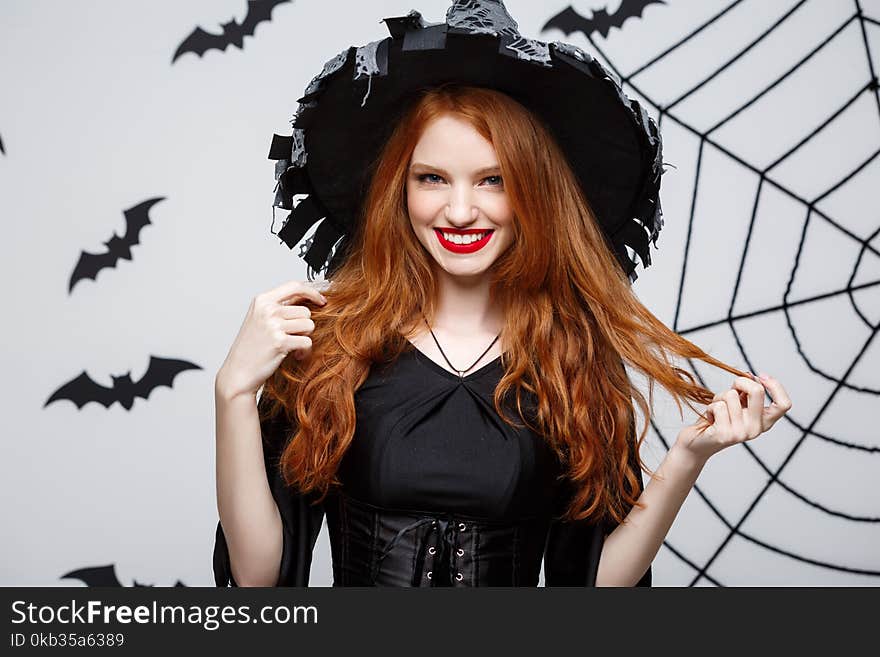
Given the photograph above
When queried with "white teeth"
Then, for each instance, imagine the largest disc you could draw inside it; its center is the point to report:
(463, 239)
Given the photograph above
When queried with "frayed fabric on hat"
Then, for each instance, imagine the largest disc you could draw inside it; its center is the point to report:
(613, 146)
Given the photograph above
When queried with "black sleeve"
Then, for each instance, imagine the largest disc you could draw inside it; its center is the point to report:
(300, 520)
(571, 555)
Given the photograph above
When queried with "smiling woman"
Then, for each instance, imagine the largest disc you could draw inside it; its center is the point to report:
(432, 473)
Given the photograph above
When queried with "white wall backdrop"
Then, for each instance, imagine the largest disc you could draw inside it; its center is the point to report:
(768, 260)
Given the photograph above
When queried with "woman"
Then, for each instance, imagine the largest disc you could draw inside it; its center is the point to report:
(457, 405)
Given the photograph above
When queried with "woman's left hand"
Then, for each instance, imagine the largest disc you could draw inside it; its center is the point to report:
(737, 415)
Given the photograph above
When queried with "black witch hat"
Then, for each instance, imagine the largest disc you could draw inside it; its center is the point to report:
(348, 111)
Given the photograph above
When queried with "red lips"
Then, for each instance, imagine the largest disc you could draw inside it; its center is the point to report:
(463, 248)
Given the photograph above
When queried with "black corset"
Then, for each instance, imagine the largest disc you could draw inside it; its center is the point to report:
(375, 546)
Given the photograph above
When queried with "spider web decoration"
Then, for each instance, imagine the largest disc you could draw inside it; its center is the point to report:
(800, 187)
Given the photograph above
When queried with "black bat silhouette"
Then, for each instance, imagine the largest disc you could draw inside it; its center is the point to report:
(199, 41)
(102, 576)
(82, 389)
(569, 20)
(89, 264)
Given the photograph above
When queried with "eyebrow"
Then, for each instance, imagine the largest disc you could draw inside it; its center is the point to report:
(479, 172)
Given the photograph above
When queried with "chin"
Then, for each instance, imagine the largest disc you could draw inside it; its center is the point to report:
(465, 271)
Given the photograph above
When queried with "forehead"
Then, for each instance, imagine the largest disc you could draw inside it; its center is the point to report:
(450, 138)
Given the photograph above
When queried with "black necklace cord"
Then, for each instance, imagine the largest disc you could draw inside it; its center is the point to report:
(460, 372)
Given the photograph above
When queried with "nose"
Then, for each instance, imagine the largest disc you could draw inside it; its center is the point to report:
(460, 209)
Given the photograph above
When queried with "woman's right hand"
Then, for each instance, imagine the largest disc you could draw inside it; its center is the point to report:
(272, 328)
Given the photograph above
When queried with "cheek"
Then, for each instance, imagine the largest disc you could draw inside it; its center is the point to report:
(420, 206)
(504, 212)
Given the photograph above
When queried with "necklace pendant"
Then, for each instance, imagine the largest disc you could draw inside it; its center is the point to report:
(460, 372)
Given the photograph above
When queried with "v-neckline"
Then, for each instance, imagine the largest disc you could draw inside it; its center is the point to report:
(422, 357)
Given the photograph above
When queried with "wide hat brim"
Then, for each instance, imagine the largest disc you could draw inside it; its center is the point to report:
(351, 107)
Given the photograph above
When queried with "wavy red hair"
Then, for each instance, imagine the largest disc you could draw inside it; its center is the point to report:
(571, 317)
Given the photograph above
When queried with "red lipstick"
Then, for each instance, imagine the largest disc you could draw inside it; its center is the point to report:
(464, 248)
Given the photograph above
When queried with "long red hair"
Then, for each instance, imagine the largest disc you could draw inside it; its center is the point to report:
(571, 317)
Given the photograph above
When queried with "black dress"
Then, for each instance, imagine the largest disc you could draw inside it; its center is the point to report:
(436, 490)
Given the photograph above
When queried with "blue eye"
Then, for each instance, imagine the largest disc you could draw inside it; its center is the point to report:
(425, 176)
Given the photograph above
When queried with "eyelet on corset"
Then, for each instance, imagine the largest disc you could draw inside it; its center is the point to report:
(461, 527)
(429, 574)
(459, 576)
(459, 552)
(432, 550)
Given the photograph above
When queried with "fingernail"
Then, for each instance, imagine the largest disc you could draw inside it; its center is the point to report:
(763, 376)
